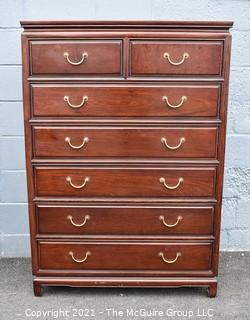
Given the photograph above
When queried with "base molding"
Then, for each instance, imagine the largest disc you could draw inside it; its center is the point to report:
(125, 282)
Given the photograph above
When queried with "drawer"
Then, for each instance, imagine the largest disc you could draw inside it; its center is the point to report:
(176, 57)
(98, 221)
(135, 142)
(120, 182)
(79, 57)
(65, 100)
(124, 256)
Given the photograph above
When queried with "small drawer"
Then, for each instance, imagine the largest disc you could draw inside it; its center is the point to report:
(119, 182)
(176, 58)
(103, 221)
(181, 142)
(66, 100)
(124, 256)
(79, 57)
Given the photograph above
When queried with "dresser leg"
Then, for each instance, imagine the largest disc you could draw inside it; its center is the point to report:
(37, 289)
(212, 290)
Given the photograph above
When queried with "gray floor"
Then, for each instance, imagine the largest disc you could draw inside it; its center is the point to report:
(17, 300)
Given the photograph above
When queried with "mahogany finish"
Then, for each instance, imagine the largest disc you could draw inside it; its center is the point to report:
(134, 221)
(121, 142)
(119, 182)
(125, 100)
(47, 57)
(204, 58)
(123, 256)
(125, 137)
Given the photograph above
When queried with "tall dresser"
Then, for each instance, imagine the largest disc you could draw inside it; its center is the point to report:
(125, 136)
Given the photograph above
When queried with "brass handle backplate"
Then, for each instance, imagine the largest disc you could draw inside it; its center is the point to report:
(86, 218)
(69, 180)
(165, 99)
(84, 100)
(164, 141)
(161, 254)
(88, 253)
(166, 56)
(163, 181)
(85, 141)
(179, 218)
(84, 58)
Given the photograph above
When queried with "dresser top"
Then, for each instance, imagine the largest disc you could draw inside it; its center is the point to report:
(129, 24)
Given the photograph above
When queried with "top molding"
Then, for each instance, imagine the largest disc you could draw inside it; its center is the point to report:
(129, 24)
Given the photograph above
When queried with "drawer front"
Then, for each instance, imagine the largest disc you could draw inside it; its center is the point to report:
(124, 256)
(81, 220)
(136, 182)
(121, 142)
(176, 57)
(94, 57)
(115, 101)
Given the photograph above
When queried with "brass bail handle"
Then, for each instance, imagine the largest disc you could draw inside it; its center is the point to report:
(73, 63)
(69, 180)
(86, 218)
(181, 141)
(162, 218)
(161, 254)
(163, 181)
(170, 105)
(166, 56)
(88, 253)
(81, 104)
(84, 142)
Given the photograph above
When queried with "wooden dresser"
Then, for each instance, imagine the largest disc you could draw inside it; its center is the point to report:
(125, 136)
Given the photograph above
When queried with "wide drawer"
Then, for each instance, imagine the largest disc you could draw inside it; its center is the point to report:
(98, 221)
(124, 256)
(132, 101)
(122, 142)
(176, 57)
(120, 182)
(79, 57)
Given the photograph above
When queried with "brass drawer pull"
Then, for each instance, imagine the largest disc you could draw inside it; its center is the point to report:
(166, 56)
(164, 141)
(86, 180)
(85, 141)
(161, 254)
(183, 99)
(86, 218)
(84, 58)
(179, 218)
(84, 100)
(180, 180)
(88, 253)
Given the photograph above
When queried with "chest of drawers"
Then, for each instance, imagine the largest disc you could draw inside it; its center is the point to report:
(125, 136)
